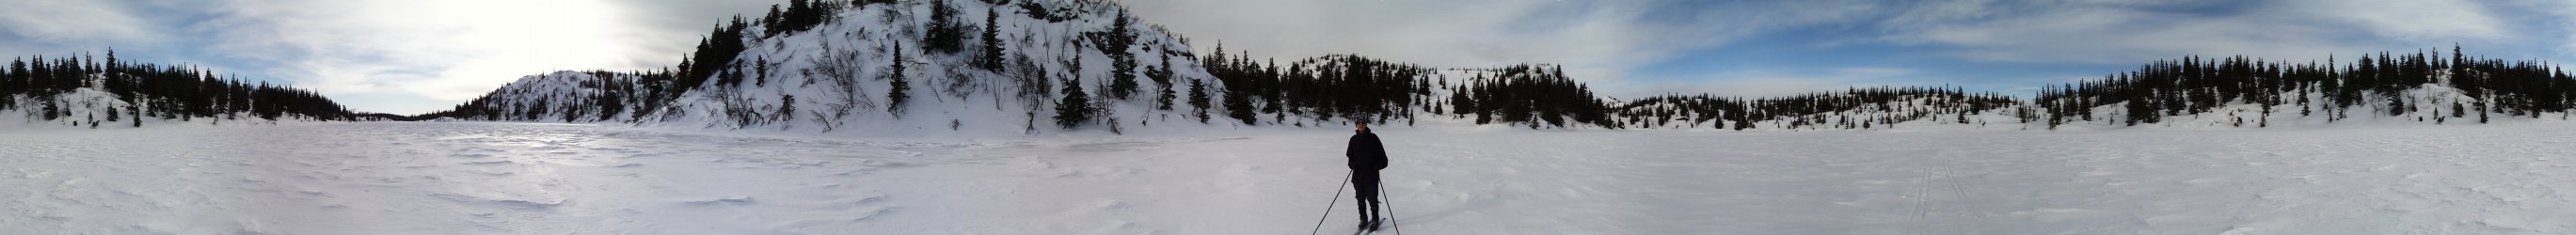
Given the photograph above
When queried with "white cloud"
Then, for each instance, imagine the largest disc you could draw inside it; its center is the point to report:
(448, 51)
(2549, 16)
(2128, 32)
(43, 26)
(2410, 19)
(1593, 39)
(65, 21)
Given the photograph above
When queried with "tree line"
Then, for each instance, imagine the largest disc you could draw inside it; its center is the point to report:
(1856, 108)
(2383, 84)
(144, 90)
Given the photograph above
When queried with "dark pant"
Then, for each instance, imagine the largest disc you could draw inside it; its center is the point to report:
(1366, 181)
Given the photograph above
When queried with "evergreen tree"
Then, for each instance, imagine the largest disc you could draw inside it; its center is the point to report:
(1238, 105)
(112, 114)
(946, 35)
(1199, 100)
(787, 108)
(899, 87)
(1122, 62)
(761, 67)
(1162, 76)
(992, 40)
(1075, 108)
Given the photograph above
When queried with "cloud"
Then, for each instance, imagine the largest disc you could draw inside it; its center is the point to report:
(40, 26)
(66, 21)
(2409, 19)
(2550, 17)
(2128, 32)
(430, 48)
(447, 51)
(1597, 40)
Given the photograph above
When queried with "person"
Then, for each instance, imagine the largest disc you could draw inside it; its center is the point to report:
(1367, 157)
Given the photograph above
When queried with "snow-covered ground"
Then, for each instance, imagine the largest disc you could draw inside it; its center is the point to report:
(486, 178)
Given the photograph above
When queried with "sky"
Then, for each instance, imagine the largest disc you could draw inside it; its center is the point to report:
(410, 57)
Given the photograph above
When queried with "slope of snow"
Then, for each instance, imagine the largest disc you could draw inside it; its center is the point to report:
(945, 90)
(471, 177)
(91, 108)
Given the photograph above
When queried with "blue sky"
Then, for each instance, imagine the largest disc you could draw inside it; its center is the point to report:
(417, 56)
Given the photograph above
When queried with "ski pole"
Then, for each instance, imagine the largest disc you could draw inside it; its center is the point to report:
(1328, 207)
(1383, 199)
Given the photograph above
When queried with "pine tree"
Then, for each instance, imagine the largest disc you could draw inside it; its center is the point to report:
(2482, 112)
(946, 34)
(761, 67)
(900, 87)
(1199, 100)
(1238, 105)
(787, 108)
(1075, 108)
(1122, 62)
(52, 110)
(1162, 76)
(992, 40)
(2458, 110)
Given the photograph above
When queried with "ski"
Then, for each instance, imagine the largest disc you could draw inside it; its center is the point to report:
(1369, 227)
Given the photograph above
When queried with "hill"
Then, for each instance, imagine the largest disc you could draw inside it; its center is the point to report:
(82, 91)
(1031, 67)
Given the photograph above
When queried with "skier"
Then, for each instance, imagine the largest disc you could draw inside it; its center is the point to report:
(1367, 157)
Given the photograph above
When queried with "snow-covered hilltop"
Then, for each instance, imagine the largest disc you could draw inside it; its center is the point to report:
(881, 67)
(85, 92)
(1028, 67)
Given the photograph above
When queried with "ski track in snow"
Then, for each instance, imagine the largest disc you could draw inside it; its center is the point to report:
(483, 178)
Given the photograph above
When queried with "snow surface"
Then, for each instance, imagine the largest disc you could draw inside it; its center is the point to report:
(506, 178)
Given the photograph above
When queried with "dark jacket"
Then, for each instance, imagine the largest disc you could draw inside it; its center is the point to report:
(1366, 153)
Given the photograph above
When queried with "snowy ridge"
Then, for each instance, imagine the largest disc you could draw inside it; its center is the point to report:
(2436, 100)
(841, 77)
(795, 80)
(537, 96)
(83, 108)
(92, 107)
(944, 89)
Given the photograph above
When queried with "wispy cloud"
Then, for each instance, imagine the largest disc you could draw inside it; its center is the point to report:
(2128, 32)
(436, 49)
(1593, 39)
(40, 26)
(442, 51)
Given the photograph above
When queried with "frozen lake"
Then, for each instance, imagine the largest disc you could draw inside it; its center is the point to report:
(481, 178)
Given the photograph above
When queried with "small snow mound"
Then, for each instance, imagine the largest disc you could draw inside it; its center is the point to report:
(525, 204)
(509, 203)
(2243, 231)
(730, 200)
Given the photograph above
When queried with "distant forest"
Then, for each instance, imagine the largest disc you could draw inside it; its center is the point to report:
(46, 87)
